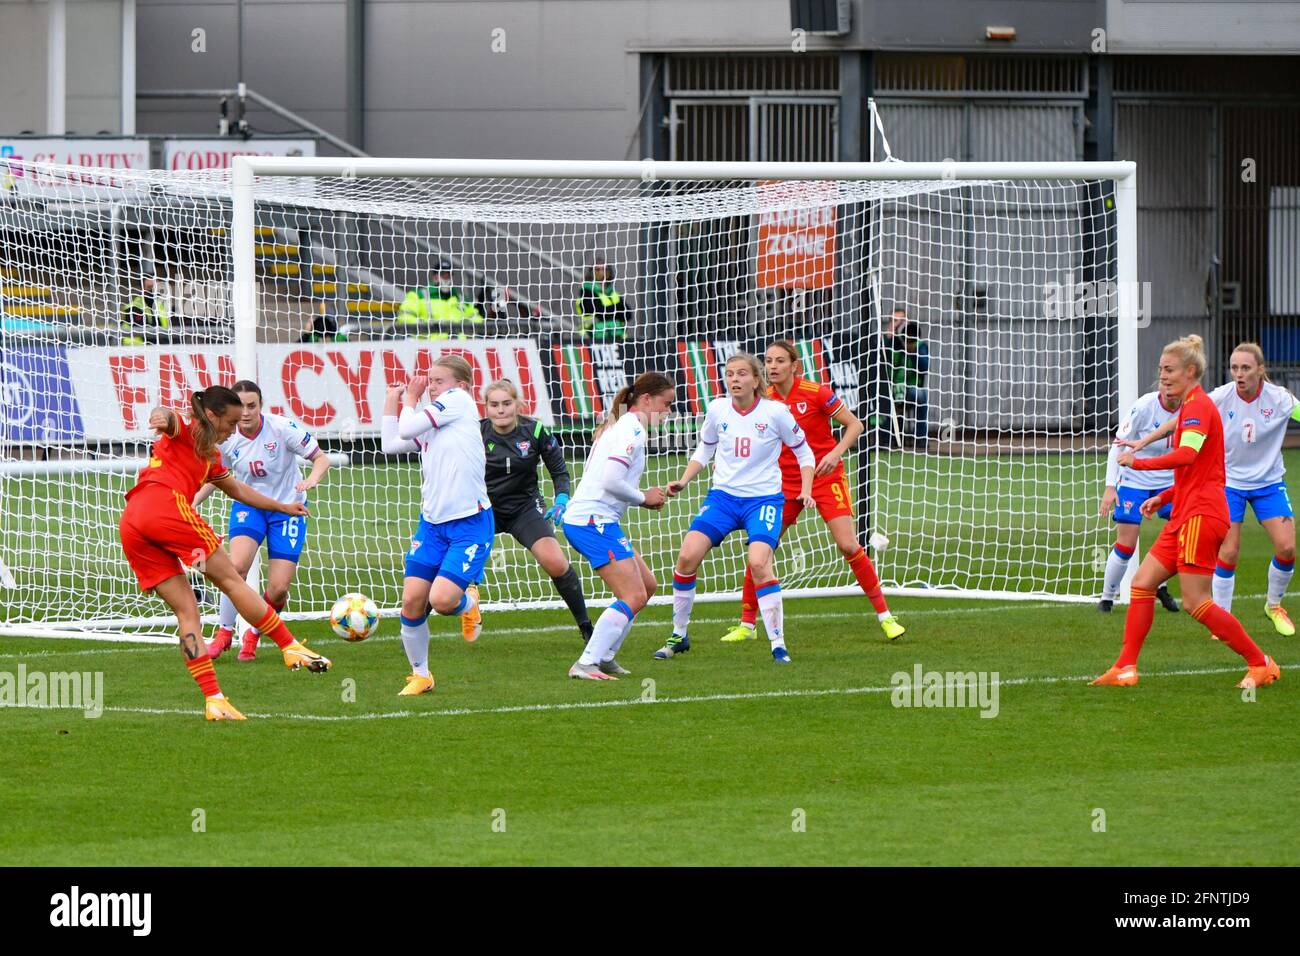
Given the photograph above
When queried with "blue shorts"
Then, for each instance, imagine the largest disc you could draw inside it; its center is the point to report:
(1267, 502)
(455, 550)
(284, 534)
(599, 543)
(723, 513)
(1130, 500)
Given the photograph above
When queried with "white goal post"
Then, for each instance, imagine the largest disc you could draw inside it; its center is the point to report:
(988, 415)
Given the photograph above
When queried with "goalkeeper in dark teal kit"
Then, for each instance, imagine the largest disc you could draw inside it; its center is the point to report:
(515, 445)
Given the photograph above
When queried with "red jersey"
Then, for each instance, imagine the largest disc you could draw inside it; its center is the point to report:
(175, 463)
(812, 406)
(1198, 487)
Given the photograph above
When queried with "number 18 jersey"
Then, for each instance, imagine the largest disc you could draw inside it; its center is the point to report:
(748, 445)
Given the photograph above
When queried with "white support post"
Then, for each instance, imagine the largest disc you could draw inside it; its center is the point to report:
(128, 68)
(56, 69)
(244, 301)
(243, 253)
(1128, 316)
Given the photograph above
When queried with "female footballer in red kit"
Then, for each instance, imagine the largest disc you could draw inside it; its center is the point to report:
(161, 533)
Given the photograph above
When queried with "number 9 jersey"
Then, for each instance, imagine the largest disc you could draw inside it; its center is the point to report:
(269, 461)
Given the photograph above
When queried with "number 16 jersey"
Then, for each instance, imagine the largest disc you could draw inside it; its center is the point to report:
(268, 460)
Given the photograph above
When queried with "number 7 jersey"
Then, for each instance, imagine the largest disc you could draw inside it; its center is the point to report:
(268, 461)
(1253, 432)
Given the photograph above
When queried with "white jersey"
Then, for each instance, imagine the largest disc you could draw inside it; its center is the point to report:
(270, 460)
(446, 434)
(1252, 434)
(748, 446)
(619, 454)
(1147, 414)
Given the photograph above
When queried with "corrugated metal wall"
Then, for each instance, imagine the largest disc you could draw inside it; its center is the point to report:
(1217, 143)
(974, 273)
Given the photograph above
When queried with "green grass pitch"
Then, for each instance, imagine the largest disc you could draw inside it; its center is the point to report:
(725, 759)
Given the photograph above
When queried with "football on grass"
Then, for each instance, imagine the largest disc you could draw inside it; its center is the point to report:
(354, 617)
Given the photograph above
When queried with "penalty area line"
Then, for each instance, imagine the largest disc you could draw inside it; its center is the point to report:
(643, 702)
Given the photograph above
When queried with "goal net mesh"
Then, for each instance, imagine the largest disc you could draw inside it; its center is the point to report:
(966, 323)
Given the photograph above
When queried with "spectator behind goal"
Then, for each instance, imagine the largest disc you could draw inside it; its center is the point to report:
(439, 301)
(909, 361)
(145, 311)
(601, 308)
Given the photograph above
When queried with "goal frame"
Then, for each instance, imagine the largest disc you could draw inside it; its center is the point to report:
(245, 170)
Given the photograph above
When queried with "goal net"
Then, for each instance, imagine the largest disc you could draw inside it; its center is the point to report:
(968, 315)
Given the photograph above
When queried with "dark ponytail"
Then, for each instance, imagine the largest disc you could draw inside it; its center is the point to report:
(647, 383)
(215, 399)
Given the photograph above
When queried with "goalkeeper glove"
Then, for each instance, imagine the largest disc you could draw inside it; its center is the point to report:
(556, 514)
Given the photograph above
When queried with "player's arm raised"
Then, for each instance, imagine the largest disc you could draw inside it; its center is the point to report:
(853, 429)
(389, 443)
(1137, 444)
(241, 492)
(1182, 456)
(165, 422)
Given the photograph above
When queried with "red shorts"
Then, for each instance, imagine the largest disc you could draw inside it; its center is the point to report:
(160, 532)
(1194, 547)
(831, 493)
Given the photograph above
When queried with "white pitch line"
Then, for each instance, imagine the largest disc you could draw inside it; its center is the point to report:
(557, 628)
(638, 701)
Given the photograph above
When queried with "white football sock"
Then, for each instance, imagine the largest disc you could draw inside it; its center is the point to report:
(1278, 579)
(1221, 588)
(627, 629)
(605, 635)
(683, 601)
(415, 641)
(1116, 565)
(770, 606)
(227, 612)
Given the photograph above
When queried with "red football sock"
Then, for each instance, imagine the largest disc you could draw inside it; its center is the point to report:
(1137, 624)
(277, 607)
(205, 675)
(1229, 630)
(749, 600)
(271, 626)
(865, 572)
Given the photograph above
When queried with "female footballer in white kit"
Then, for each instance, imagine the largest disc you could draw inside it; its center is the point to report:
(747, 433)
(1255, 413)
(265, 452)
(593, 521)
(454, 536)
